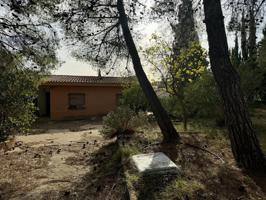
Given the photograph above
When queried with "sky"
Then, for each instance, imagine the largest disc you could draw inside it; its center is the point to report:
(71, 66)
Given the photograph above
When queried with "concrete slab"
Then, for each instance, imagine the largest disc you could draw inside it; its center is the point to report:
(154, 163)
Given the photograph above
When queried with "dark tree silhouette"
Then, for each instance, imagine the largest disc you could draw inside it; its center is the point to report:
(25, 31)
(244, 143)
(250, 14)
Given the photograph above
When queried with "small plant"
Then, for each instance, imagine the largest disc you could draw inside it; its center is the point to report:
(181, 188)
(122, 121)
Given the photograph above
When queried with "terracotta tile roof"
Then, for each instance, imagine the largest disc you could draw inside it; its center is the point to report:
(83, 80)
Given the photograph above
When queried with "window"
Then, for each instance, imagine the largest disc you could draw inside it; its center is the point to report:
(76, 101)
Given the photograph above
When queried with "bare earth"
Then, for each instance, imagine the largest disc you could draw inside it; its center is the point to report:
(52, 164)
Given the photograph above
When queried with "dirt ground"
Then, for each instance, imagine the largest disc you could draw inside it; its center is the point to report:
(61, 160)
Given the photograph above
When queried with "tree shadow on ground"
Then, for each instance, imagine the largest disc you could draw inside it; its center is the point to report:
(151, 185)
(259, 179)
(46, 125)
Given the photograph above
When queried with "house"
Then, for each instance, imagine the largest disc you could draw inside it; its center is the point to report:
(64, 97)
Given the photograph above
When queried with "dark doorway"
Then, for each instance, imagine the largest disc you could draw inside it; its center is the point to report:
(48, 104)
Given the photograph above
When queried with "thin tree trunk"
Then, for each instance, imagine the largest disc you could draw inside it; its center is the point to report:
(244, 38)
(184, 112)
(244, 143)
(252, 50)
(163, 120)
(185, 123)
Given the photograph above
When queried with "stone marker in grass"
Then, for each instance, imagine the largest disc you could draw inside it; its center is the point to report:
(154, 163)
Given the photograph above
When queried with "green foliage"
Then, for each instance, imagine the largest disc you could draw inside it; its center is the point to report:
(134, 98)
(201, 99)
(122, 121)
(251, 80)
(18, 90)
(171, 105)
(250, 70)
(190, 64)
(177, 71)
(204, 99)
(262, 52)
(235, 55)
(180, 188)
(262, 66)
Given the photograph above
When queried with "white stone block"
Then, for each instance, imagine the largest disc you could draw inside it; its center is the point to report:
(154, 163)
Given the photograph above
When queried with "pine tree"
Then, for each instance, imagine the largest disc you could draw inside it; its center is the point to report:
(244, 143)
(262, 65)
(244, 38)
(184, 31)
(235, 56)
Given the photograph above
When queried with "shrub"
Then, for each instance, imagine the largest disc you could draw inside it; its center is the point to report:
(171, 105)
(204, 100)
(18, 87)
(251, 81)
(134, 98)
(123, 121)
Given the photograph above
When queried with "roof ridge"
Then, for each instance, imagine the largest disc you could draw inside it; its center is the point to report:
(72, 79)
(86, 76)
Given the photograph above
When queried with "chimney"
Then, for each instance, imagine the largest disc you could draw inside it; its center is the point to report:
(99, 73)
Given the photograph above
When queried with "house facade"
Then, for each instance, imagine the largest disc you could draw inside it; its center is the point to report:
(77, 97)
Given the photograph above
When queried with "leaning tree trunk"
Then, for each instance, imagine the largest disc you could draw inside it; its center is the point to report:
(244, 143)
(164, 122)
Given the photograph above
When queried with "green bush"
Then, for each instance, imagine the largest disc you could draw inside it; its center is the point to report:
(18, 87)
(251, 81)
(134, 98)
(204, 100)
(201, 99)
(171, 105)
(123, 121)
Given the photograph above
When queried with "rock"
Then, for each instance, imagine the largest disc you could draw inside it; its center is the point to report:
(154, 163)
(37, 155)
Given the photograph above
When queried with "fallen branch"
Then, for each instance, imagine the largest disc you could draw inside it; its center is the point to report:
(206, 150)
(193, 146)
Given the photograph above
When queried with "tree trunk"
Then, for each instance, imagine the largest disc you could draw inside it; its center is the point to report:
(184, 111)
(252, 49)
(244, 38)
(244, 143)
(164, 122)
(185, 122)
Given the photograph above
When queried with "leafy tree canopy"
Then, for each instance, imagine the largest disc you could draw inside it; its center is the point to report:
(176, 72)
(26, 32)
(18, 86)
